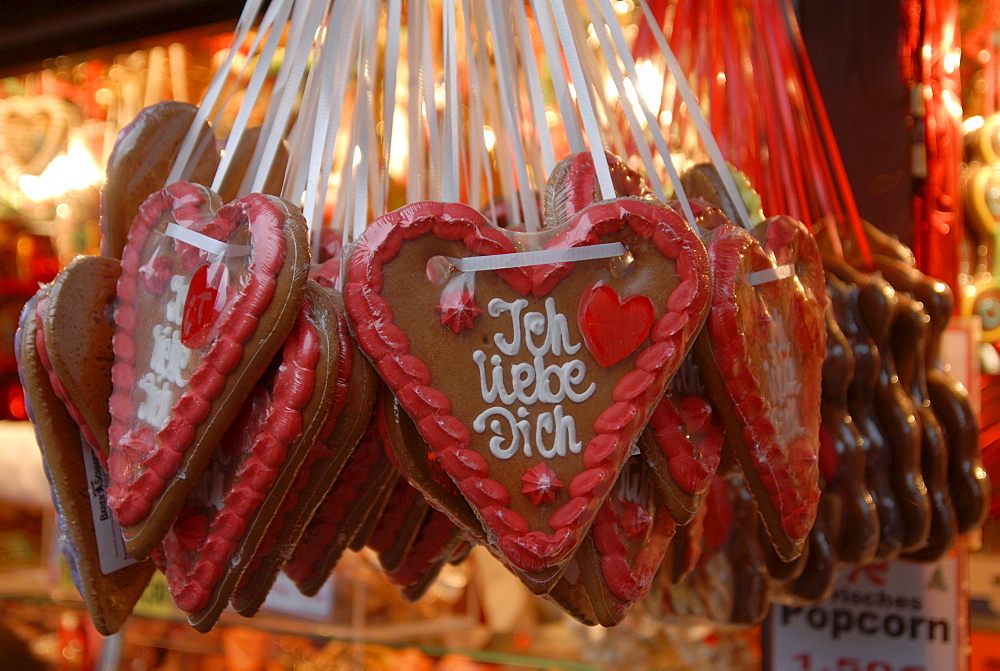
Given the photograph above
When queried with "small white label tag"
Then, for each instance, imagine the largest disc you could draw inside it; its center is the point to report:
(110, 544)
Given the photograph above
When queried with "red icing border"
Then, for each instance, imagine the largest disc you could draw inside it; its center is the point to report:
(325, 526)
(616, 428)
(322, 450)
(192, 575)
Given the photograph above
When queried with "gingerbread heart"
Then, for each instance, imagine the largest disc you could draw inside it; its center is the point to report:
(761, 355)
(352, 400)
(141, 160)
(185, 360)
(626, 545)
(573, 186)
(544, 403)
(217, 531)
(683, 443)
(71, 466)
(78, 335)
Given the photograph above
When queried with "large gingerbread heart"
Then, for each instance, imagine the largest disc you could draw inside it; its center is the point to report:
(761, 355)
(495, 366)
(205, 298)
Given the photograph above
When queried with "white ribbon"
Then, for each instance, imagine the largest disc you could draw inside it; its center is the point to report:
(539, 257)
(205, 243)
(771, 274)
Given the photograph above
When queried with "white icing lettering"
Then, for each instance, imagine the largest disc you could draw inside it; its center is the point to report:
(525, 383)
(514, 435)
(168, 359)
(559, 330)
(174, 312)
(156, 408)
(497, 307)
(633, 485)
(497, 448)
(169, 356)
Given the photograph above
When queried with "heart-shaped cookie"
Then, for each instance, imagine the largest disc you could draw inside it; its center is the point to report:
(140, 161)
(514, 336)
(217, 531)
(353, 399)
(626, 544)
(78, 335)
(109, 595)
(184, 360)
(761, 355)
(573, 186)
(683, 443)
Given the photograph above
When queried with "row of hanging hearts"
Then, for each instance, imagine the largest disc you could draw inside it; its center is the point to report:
(900, 462)
(565, 410)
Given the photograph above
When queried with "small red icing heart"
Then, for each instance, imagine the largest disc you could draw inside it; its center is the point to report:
(200, 312)
(613, 328)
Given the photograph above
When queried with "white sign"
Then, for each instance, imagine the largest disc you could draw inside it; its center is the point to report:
(882, 617)
(110, 543)
(285, 597)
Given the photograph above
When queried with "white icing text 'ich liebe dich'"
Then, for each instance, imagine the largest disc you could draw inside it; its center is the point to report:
(519, 385)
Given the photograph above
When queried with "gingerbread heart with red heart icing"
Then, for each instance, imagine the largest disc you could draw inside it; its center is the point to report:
(761, 355)
(184, 360)
(513, 395)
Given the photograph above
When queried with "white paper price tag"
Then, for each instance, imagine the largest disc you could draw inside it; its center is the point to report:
(110, 544)
(882, 617)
